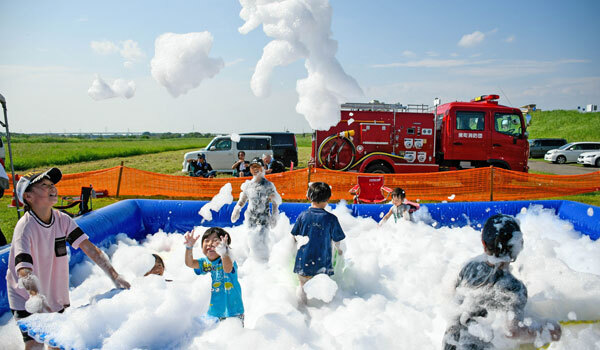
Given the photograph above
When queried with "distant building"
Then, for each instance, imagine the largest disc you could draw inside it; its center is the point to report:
(528, 109)
(591, 108)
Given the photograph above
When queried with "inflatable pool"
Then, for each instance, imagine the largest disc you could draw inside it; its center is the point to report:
(140, 217)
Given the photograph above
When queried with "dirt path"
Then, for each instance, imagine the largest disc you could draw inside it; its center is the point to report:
(559, 169)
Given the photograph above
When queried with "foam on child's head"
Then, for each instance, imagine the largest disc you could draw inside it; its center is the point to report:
(318, 192)
(218, 231)
(502, 237)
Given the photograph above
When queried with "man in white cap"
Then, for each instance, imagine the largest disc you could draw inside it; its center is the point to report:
(37, 278)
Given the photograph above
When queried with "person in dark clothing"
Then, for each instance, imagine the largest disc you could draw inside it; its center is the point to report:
(201, 168)
(272, 165)
(490, 300)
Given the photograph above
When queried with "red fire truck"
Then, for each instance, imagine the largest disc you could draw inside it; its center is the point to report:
(394, 138)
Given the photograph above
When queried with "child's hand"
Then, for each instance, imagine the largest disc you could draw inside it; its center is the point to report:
(222, 248)
(235, 215)
(37, 303)
(121, 283)
(190, 240)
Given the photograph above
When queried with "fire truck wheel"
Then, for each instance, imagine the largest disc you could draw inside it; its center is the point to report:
(561, 159)
(378, 168)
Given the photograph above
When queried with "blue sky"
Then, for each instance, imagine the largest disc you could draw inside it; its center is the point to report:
(542, 52)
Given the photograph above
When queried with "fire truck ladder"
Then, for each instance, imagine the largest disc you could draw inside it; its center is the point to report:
(386, 107)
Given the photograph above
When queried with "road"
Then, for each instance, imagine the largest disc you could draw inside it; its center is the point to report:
(559, 169)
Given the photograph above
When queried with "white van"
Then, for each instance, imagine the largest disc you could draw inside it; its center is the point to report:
(222, 151)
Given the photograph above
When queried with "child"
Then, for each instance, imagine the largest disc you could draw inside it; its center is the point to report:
(226, 293)
(258, 192)
(488, 294)
(38, 268)
(158, 268)
(401, 208)
(321, 228)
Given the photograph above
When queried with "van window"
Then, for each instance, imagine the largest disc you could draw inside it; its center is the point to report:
(507, 123)
(470, 121)
(282, 139)
(251, 144)
(223, 144)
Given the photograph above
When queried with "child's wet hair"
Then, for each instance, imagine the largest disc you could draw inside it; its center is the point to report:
(398, 192)
(158, 259)
(318, 192)
(502, 236)
(219, 231)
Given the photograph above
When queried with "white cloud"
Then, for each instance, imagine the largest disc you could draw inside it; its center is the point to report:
(181, 61)
(510, 39)
(408, 53)
(432, 54)
(100, 90)
(128, 49)
(234, 62)
(301, 30)
(131, 52)
(104, 47)
(454, 54)
(469, 40)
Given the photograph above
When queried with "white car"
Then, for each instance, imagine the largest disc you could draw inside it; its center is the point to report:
(589, 158)
(222, 151)
(570, 152)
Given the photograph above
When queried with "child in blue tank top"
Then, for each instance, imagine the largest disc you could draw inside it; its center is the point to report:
(226, 293)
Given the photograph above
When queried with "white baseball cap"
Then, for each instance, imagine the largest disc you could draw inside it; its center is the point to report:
(52, 174)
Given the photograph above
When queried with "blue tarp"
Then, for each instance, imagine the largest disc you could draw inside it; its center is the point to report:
(140, 217)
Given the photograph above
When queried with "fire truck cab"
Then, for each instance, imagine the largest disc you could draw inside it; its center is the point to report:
(394, 138)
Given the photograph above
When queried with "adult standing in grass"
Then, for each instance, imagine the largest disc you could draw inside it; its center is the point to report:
(37, 278)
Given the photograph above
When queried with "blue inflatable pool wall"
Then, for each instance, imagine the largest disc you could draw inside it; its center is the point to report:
(140, 217)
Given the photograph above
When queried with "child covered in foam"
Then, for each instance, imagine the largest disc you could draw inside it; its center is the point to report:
(491, 301)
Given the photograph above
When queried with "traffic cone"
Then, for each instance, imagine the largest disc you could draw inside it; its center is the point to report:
(13, 202)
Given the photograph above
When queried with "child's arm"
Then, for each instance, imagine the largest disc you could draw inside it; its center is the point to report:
(235, 214)
(275, 211)
(530, 333)
(223, 250)
(102, 261)
(190, 240)
(37, 301)
(386, 217)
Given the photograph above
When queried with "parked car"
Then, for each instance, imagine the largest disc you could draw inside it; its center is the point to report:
(570, 152)
(539, 147)
(283, 144)
(589, 158)
(222, 152)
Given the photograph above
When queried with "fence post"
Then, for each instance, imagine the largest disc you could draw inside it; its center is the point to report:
(492, 183)
(119, 181)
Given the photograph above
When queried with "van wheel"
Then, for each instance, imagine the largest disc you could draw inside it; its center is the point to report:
(561, 159)
(378, 168)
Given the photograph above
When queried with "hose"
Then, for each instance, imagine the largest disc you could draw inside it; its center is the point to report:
(329, 165)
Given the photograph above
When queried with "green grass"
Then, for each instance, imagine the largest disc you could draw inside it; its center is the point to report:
(32, 155)
(570, 125)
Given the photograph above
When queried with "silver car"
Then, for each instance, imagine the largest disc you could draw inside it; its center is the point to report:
(570, 152)
(589, 158)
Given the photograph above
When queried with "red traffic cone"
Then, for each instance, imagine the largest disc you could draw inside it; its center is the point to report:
(13, 203)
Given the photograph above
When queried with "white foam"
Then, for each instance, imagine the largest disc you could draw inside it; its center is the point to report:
(181, 61)
(301, 30)
(321, 287)
(220, 199)
(394, 291)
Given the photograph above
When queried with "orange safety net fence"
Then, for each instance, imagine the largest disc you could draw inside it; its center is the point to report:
(482, 184)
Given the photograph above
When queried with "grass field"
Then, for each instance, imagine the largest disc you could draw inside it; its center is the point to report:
(34, 155)
(571, 125)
